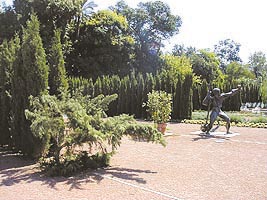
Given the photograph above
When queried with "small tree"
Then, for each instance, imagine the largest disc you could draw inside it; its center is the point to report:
(159, 106)
(78, 122)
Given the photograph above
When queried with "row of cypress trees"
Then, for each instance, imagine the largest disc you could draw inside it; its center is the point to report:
(132, 92)
(27, 70)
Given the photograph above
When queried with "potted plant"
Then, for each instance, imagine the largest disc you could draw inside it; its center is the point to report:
(159, 106)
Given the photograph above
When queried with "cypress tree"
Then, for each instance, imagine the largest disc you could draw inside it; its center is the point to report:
(177, 100)
(30, 78)
(133, 94)
(196, 97)
(58, 83)
(106, 87)
(122, 107)
(34, 59)
(229, 103)
(140, 98)
(187, 97)
(203, 91)
(114, 89)
(149, 86)
(6, 60)
(158, 82)
(174, 114)
(17, 95)
(90, 87)
(257, 93)
(244, 94)
(127, 94)
(248, 93)
(98, 87)
(168, 84)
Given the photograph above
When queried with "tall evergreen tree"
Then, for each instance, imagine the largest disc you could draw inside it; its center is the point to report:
(149, 86)
(58, 83)
(17, 93)
(177, 100)
(6, 61)
(115, 84)
(34, 59)
(133, 94)
(90, 87)
(30, 78)
(98, 87)
(187, 97)
(122, 101)
(140, 98)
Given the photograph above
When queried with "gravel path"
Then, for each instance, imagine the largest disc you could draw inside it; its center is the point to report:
(189, 167)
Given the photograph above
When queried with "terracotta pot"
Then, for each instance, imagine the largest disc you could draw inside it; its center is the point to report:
(162, 127)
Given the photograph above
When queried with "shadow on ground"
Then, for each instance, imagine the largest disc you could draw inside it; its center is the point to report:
(126, 174)
(205, 137)
(10, 159)
(16, 169)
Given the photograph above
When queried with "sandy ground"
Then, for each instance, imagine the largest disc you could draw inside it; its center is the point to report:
(190, 167)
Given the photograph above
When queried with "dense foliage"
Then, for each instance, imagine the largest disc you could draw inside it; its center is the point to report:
(7, 52)
(159, 106)
(30, 78)
(103, 46)
(58, 83)
(132, 92)
(78, 127)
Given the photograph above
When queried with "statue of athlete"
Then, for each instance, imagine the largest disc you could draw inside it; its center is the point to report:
(216, 98)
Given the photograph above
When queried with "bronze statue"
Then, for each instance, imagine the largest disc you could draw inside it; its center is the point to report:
(215, 98)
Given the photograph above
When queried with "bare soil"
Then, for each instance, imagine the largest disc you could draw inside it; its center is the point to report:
(189, 167)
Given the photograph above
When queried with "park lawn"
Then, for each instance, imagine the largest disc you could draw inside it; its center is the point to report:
(241, 119)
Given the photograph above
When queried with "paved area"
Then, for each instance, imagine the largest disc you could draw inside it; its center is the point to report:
(191, 166)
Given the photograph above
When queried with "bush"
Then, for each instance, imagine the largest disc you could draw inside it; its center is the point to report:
(159, 106)
(68, 124)
(74, 164)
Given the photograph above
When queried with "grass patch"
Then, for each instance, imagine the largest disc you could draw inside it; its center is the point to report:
(241, 119)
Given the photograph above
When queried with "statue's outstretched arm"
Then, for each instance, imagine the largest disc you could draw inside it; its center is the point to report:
(232, 92)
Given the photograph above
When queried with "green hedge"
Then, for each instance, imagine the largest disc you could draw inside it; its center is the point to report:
(132, 92)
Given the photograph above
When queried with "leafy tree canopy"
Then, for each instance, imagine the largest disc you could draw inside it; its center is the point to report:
(175, 66)
(179, 50)
(150, 23)
(258, 63)
(227, 51)
(52, 14)
(236, 71)
(57, 13)
(103, 47)
(206, 65)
